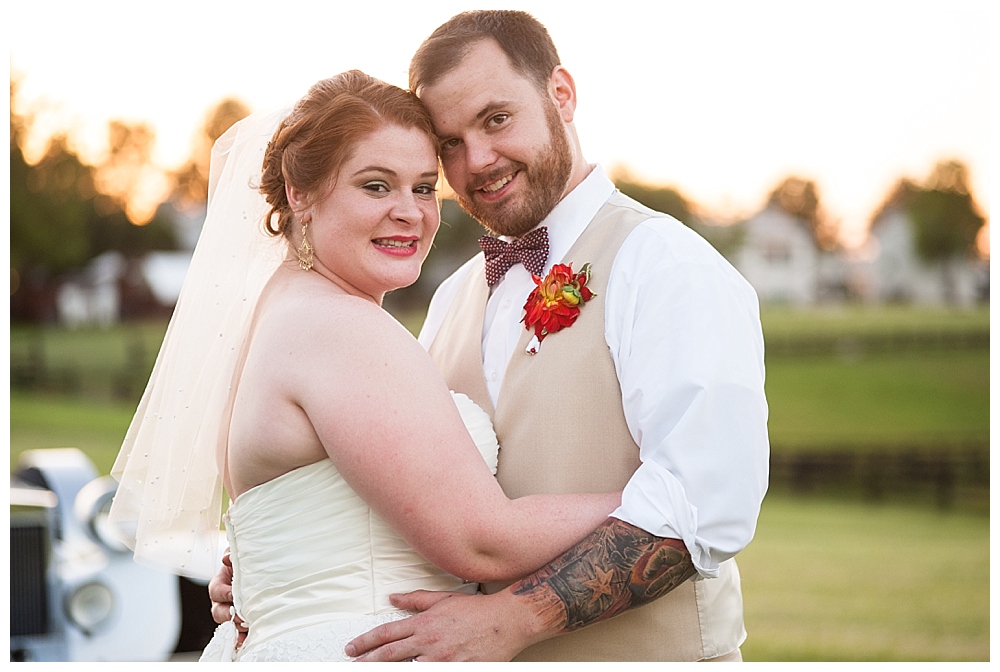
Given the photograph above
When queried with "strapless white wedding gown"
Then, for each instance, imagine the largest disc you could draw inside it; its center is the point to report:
(314, 566)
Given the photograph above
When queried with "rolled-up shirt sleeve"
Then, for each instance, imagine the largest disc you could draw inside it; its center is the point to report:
(684, 332)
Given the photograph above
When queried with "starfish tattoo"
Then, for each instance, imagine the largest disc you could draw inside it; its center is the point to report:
(628, 565)
(600, 585)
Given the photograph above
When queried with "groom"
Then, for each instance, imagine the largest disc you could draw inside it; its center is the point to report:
(656, 388)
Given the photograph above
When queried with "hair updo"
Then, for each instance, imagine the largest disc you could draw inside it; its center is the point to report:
(317, 137)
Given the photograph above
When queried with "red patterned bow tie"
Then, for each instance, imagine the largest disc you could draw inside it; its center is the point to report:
(530, 250)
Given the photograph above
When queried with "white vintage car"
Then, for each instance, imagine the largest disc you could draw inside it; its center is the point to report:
(75, 592)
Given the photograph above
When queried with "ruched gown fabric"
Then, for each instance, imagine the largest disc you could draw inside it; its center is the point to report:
(314, 566)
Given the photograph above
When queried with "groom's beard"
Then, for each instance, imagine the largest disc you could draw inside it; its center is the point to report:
(544, 180)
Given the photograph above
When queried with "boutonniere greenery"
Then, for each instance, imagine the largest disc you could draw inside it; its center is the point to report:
(555, 302)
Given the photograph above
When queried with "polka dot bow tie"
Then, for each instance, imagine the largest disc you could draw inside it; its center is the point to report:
(530, 250)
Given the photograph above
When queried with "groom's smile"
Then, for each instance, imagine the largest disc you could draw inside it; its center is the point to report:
(494, 187)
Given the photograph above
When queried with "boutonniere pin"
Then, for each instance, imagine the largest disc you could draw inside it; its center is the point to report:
(555, 302)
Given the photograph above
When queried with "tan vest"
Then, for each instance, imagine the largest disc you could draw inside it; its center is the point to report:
(561, 428)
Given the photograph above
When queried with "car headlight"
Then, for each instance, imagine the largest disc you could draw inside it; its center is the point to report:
(89, 606)
(93, 503)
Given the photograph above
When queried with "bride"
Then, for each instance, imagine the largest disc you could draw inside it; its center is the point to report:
(352, 471)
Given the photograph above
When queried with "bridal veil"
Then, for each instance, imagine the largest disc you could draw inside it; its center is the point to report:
(169, 501)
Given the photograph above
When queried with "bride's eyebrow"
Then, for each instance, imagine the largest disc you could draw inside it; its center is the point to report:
(431, 174)
(375, 169)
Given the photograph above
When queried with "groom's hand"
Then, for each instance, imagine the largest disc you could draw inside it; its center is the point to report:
(220, 590)
(449, 626)
(616, 568)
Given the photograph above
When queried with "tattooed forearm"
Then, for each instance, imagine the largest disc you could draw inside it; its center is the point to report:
(616, 568)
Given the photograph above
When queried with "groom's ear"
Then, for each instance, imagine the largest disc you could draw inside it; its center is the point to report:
(562, 89)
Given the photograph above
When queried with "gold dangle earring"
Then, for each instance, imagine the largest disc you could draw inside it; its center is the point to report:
(305, 250)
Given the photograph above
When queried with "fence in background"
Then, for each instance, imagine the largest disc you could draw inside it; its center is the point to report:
(846, 345)
(944, 475)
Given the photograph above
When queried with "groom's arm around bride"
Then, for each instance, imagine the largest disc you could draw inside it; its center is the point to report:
(617, 568)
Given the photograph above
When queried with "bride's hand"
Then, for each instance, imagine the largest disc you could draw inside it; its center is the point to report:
(449, 626)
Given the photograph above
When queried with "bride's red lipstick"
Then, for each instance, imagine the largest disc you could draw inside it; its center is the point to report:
(397, 246)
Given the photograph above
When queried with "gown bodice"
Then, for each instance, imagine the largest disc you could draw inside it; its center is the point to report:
(306, 549)
(314, 565)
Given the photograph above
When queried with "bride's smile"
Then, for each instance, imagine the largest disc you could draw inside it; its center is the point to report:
(400, 246)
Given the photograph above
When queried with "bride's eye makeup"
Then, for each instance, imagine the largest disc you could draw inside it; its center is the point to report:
(376, 186)
(425, 190)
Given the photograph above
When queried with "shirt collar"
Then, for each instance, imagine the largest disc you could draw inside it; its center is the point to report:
(573, 213)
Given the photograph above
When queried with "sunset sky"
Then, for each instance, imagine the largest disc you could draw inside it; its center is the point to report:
(719, 99)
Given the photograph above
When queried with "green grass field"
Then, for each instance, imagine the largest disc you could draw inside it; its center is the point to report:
(93, 363)
(881, 399)
(96, 427)
(855, 320)
(843, 581)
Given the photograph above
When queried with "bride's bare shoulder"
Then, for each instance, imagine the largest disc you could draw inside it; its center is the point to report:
(312, 310)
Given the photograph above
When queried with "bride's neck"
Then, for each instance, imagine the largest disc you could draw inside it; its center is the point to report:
(290, 266)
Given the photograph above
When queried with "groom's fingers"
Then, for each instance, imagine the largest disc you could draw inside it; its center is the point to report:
(418, 600)
(220, 591)
(394, 641)
(383, 643)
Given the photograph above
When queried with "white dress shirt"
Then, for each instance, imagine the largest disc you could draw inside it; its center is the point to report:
(683, 330)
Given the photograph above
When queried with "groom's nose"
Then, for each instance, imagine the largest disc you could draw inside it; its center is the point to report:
(479, 154)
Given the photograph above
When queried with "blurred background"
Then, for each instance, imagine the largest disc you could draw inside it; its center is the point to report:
(836, 153)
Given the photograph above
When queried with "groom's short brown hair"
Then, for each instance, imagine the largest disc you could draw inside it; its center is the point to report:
(520, 35)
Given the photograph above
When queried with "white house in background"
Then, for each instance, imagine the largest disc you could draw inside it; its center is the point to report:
(164, 274)
(100, 293)
(92, 296)
(779, 257)
(896, 272)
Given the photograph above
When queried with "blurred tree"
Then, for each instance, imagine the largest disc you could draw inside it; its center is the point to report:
(128, 175)
(191, 180)
(944, 214)
(726, 239)
(458, 236)
(115, 231)
(899, 198)
(799, 197)
(18, 124)
(59, 220)
(660, 198)
(944, 219)
(51, 204)
(48, 220)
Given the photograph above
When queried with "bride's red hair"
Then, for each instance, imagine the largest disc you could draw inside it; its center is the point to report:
(317, 137)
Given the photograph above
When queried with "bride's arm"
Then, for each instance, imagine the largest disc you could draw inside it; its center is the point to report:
(384, 415)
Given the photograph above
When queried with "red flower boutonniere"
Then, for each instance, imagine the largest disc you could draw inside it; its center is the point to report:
(555, 302)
